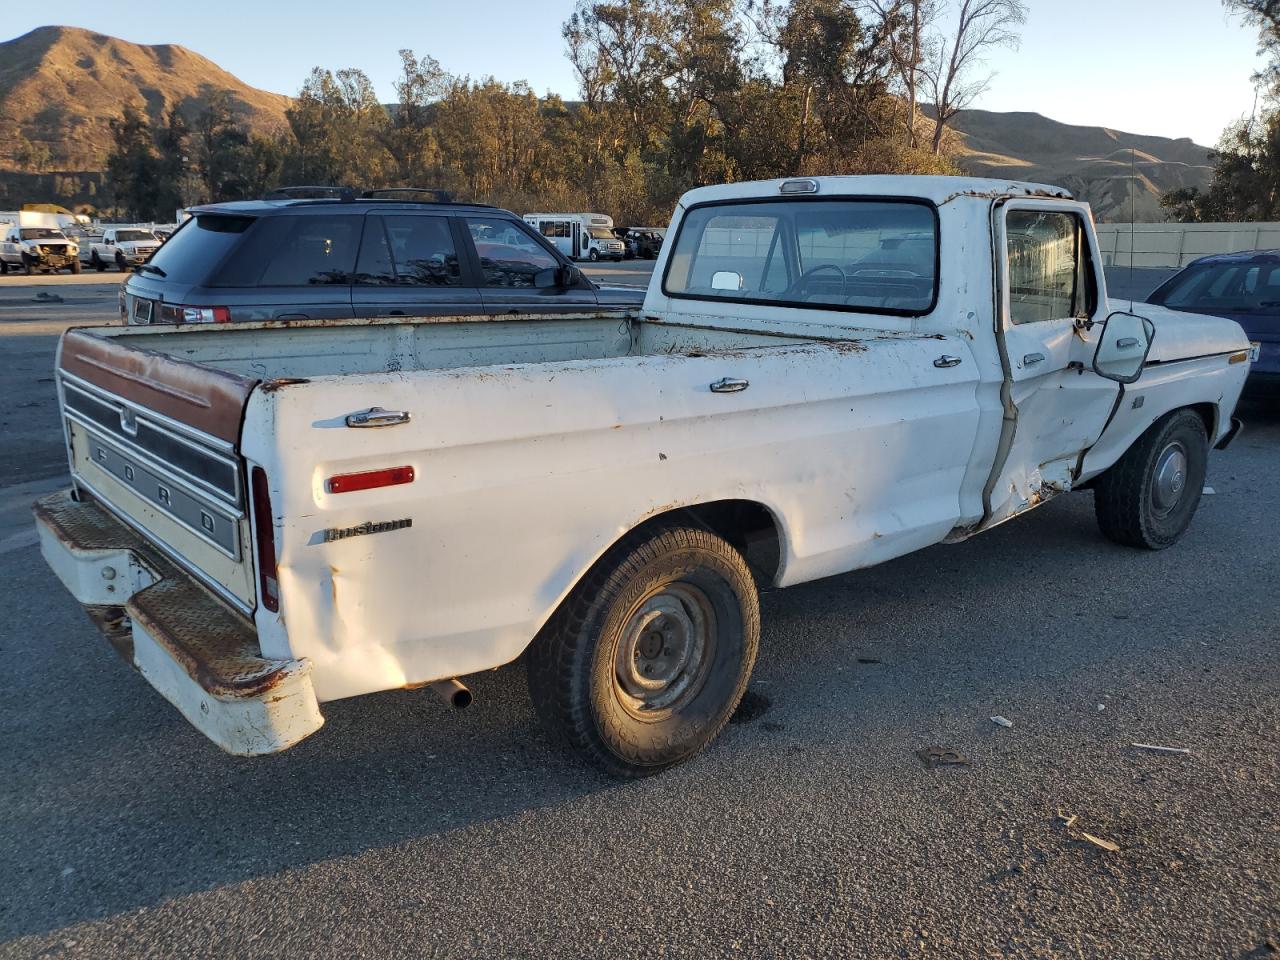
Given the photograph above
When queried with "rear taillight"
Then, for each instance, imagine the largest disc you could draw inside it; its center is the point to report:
(206, 314)
(265, 534)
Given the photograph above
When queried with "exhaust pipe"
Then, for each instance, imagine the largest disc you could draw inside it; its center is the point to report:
(453, 692)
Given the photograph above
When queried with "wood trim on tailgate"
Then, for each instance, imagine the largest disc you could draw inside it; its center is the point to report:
(203, 397)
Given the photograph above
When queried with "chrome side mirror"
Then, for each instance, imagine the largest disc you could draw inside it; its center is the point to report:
(1123, 347)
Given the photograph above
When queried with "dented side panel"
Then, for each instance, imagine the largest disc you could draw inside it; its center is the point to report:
(525, 474)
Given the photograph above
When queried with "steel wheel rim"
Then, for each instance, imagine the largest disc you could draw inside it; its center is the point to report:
(665, 651)
(1169, 479)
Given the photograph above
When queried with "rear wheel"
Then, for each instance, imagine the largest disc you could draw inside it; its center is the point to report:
(4, 268)
(1147, 499)
(648, 657)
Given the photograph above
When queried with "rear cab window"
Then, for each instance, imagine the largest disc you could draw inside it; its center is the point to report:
(863, 255)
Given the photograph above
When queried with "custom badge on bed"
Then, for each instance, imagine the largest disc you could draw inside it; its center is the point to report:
(369, 526)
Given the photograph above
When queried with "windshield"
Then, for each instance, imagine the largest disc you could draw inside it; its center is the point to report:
(123, 236)
(41, 233)
(1244, 287)
(866, 255)
(599, 233)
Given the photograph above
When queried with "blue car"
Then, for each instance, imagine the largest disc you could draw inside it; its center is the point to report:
(1242, 286)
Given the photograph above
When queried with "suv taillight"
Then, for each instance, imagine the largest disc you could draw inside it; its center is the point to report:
(206, 314)
(265, 534)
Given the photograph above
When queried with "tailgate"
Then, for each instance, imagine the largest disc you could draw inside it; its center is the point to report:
(154, 438)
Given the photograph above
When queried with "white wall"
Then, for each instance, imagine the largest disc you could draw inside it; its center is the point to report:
(1177, 244)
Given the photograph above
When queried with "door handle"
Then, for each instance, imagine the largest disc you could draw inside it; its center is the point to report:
(1031, 358)
(729, 385)
(377, 417)
(946, 360)
(1124, 343)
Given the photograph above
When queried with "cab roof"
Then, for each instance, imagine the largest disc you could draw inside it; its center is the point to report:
(937, 190)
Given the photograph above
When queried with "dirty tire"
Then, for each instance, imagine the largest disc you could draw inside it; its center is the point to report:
(668, 581)
(1133, 499)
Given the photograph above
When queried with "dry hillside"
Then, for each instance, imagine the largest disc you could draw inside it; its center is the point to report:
(62, 86)
(1095, 163)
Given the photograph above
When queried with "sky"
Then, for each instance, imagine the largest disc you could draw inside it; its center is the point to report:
(1174, 68)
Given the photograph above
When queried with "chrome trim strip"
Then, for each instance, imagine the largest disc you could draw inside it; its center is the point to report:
(203, 439)
(234, 497)
(169, 509)
(183, 563)
(170, 472)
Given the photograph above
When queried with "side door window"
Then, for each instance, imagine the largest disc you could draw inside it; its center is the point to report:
(408, 251)
(509, 257)
(1049, 273)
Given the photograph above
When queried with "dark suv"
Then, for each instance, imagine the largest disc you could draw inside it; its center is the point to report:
(310, 259)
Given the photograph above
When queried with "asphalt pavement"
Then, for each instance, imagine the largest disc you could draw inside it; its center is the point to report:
(810, 828)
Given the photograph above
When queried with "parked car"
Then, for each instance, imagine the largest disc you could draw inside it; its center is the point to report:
(328, 259)
(1243, 286)
(29, 247)
(267, 519)
(121, 247)
(647, 244)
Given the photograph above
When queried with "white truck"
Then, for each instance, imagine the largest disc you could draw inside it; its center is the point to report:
(37, 242)
(264, 517)
(121, 247)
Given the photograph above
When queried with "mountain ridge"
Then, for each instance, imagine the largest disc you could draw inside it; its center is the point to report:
(61, 87)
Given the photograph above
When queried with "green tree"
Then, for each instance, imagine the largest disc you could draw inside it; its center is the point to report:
(134, 170)
(1246, 162)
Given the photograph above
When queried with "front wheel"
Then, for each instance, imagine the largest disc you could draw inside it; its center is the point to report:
(120, 264)
(75, 266)
(96, 262)
(593, 256)
(28, 265)
(1147, 499)
(646, 660)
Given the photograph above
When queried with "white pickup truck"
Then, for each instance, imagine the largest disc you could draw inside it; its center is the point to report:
(825, 374)
(121, 247)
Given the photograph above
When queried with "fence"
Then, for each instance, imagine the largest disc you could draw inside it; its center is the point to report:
(1174, 245)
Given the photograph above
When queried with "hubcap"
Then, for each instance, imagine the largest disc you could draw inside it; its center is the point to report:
(665, 650)
(1169, 480)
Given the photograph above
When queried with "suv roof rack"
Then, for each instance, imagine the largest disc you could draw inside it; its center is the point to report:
(419, 194)
(311, 193)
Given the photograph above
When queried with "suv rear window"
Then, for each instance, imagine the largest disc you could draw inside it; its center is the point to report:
(295, 251)
(199, 245)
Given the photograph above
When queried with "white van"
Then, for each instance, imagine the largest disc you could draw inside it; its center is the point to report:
(579, 236)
